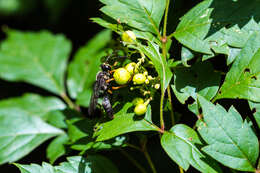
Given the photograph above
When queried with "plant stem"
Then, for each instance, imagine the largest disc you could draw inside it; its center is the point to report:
(148, 158)
(170, 101)
(181, 170)
(171, 35)
(161, 111)
(134, 147)
(68, 101)
(131, 159)
(165, 18)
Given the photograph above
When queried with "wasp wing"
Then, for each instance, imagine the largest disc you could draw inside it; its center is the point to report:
(108, 107)
(94, 99)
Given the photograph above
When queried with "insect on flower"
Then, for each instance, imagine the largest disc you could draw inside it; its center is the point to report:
(102, 88)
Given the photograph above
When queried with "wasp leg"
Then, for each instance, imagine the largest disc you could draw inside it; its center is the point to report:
(109, 91)
(112, 71)
(115, 64)
(118, 87)
(109, 80)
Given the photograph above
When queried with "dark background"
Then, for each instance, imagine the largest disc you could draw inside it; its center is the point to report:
(71, 17)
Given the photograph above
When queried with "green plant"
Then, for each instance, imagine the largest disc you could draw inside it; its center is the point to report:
(220, 139)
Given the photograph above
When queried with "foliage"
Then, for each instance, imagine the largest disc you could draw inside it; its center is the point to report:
(219, 140)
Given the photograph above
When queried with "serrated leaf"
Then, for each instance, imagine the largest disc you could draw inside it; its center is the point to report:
(180, 144)
(20, 134)
(153, 53)
(37, 58)
(56, 148)
(231, 141)
(76, 164)
(81, 131)
(119, 29)
(256, 108)
(186, 55)
(242, 80)
(84, 67)
(199, 79)
(31, 105)
(140, 14)
(218, 25)
(125, 121)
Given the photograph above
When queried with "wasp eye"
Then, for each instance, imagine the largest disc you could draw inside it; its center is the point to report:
(105, 67)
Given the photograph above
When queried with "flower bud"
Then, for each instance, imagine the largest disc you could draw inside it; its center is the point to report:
(128, 36)
(131, 68)
(121, 76)
(138, 101)
(157, 86)
(139, 78)
(140, 109)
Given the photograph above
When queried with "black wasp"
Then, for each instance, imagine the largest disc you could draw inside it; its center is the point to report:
(101, 87)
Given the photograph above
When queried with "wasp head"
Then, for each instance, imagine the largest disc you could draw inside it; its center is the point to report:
(105, 67)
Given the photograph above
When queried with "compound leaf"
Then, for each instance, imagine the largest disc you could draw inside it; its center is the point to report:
(31, 105)
(37, 58)
(21, 133)
(125, 121)
(141, 14)
(198, 79)
(180, 143)
(231, 141)
(242, 80)
(152, 51)
(218, 26)
(255, 107)
(56, 148)
(76, 164)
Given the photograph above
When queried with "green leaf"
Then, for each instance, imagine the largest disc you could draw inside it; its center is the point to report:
(152, 51)
(82, 70)
(21, 133)
(256, 108)
(37, 58)
(242, 80)
(143, 15)
(125, 121)
(31, 105)
(180, 144)
(112, 25)
(199, 79)
(56, 148)
(16, 7)
(186, 55)
(76, 164)
(118, 28)
(218, 25)
(80, 132)
(231, 141)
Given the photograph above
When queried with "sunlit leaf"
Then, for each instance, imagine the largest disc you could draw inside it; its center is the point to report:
(140, 14)
(152, 51)
(180, 144)
(39, 58)
(125, 121)
(242, 80)
(76, 164)
(231, 140)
